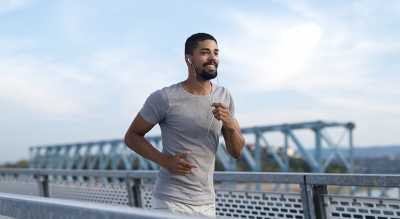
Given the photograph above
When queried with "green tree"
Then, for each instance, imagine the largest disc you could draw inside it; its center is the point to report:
(19, 164)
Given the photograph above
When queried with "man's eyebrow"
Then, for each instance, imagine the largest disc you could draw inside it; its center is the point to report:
(208, 49)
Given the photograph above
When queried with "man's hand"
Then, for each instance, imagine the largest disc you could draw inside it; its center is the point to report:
(222, 113)
(177, 165)
(230, 130)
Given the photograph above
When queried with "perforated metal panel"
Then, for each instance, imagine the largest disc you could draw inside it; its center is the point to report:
(19, 186)
(361, 207)
(106, 193)
(246, 204)
(145, 195)
(257, 204)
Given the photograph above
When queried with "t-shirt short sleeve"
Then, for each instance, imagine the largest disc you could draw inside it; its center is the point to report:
(155, 107)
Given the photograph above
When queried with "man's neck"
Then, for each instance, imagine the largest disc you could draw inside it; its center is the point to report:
(202, 88)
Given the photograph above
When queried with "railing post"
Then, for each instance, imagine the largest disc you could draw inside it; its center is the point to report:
(310, 202)
(130, 187)
(318, 200)
(305, 197)
(136, 192)
(43, 181)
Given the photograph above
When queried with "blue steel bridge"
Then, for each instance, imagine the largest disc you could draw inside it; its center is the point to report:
(110, 154)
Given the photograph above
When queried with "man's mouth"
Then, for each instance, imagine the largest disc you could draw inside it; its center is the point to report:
(210, 66)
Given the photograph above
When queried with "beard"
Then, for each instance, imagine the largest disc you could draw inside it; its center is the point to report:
(208, 75)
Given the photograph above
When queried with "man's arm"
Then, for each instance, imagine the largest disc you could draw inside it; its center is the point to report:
(230, 130)
(135, 140)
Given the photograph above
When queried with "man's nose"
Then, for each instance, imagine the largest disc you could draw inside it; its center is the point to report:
(212, 57)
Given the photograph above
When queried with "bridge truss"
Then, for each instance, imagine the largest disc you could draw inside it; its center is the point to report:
(115, 155)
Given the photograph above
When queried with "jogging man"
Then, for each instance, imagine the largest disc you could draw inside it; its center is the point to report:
(191, 115)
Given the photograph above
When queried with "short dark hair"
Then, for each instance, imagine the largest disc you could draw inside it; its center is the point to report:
(193, 41)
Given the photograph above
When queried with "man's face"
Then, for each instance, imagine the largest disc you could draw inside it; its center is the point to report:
(205, 59)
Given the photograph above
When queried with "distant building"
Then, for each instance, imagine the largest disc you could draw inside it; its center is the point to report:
(290, 151)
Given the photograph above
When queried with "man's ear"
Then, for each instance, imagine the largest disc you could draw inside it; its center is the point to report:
(188, 59)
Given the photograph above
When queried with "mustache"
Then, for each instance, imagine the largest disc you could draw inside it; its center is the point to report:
(210, 63)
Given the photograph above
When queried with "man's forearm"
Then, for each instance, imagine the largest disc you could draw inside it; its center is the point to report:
(234, 142)
(142, 147)
(230, 129)
(175, 164)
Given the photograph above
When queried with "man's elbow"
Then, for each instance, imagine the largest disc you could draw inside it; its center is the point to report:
(129, 140)
(236, 154)
(126, 140)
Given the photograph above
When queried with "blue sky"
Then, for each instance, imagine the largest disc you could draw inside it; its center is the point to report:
(73, 71)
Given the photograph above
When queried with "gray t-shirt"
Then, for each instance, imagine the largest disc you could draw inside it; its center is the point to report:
(187, 124)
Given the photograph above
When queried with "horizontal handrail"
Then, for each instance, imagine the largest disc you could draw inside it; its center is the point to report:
(19, 171)
(374, 180)
(294, 178)
(21, 206)
(353, 180)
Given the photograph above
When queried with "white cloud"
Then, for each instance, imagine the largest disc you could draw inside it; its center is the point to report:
(262, 117)
(372, 9)
(305, 9)
(35, 97)
(271, 57)
(32, 85)
(374, 46)
(357, 104)
(133, 77)
(111, 78)
(339, 68)
(322, 58)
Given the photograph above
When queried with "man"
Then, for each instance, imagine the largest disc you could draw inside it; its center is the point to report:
(191, 115)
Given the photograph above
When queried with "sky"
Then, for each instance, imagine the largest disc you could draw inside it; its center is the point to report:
(78, 71)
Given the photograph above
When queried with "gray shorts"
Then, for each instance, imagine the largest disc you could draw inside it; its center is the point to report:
(207, 210)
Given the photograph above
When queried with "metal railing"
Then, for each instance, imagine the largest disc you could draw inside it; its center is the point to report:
(309, 200)
(20, 206)
(351, 206)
